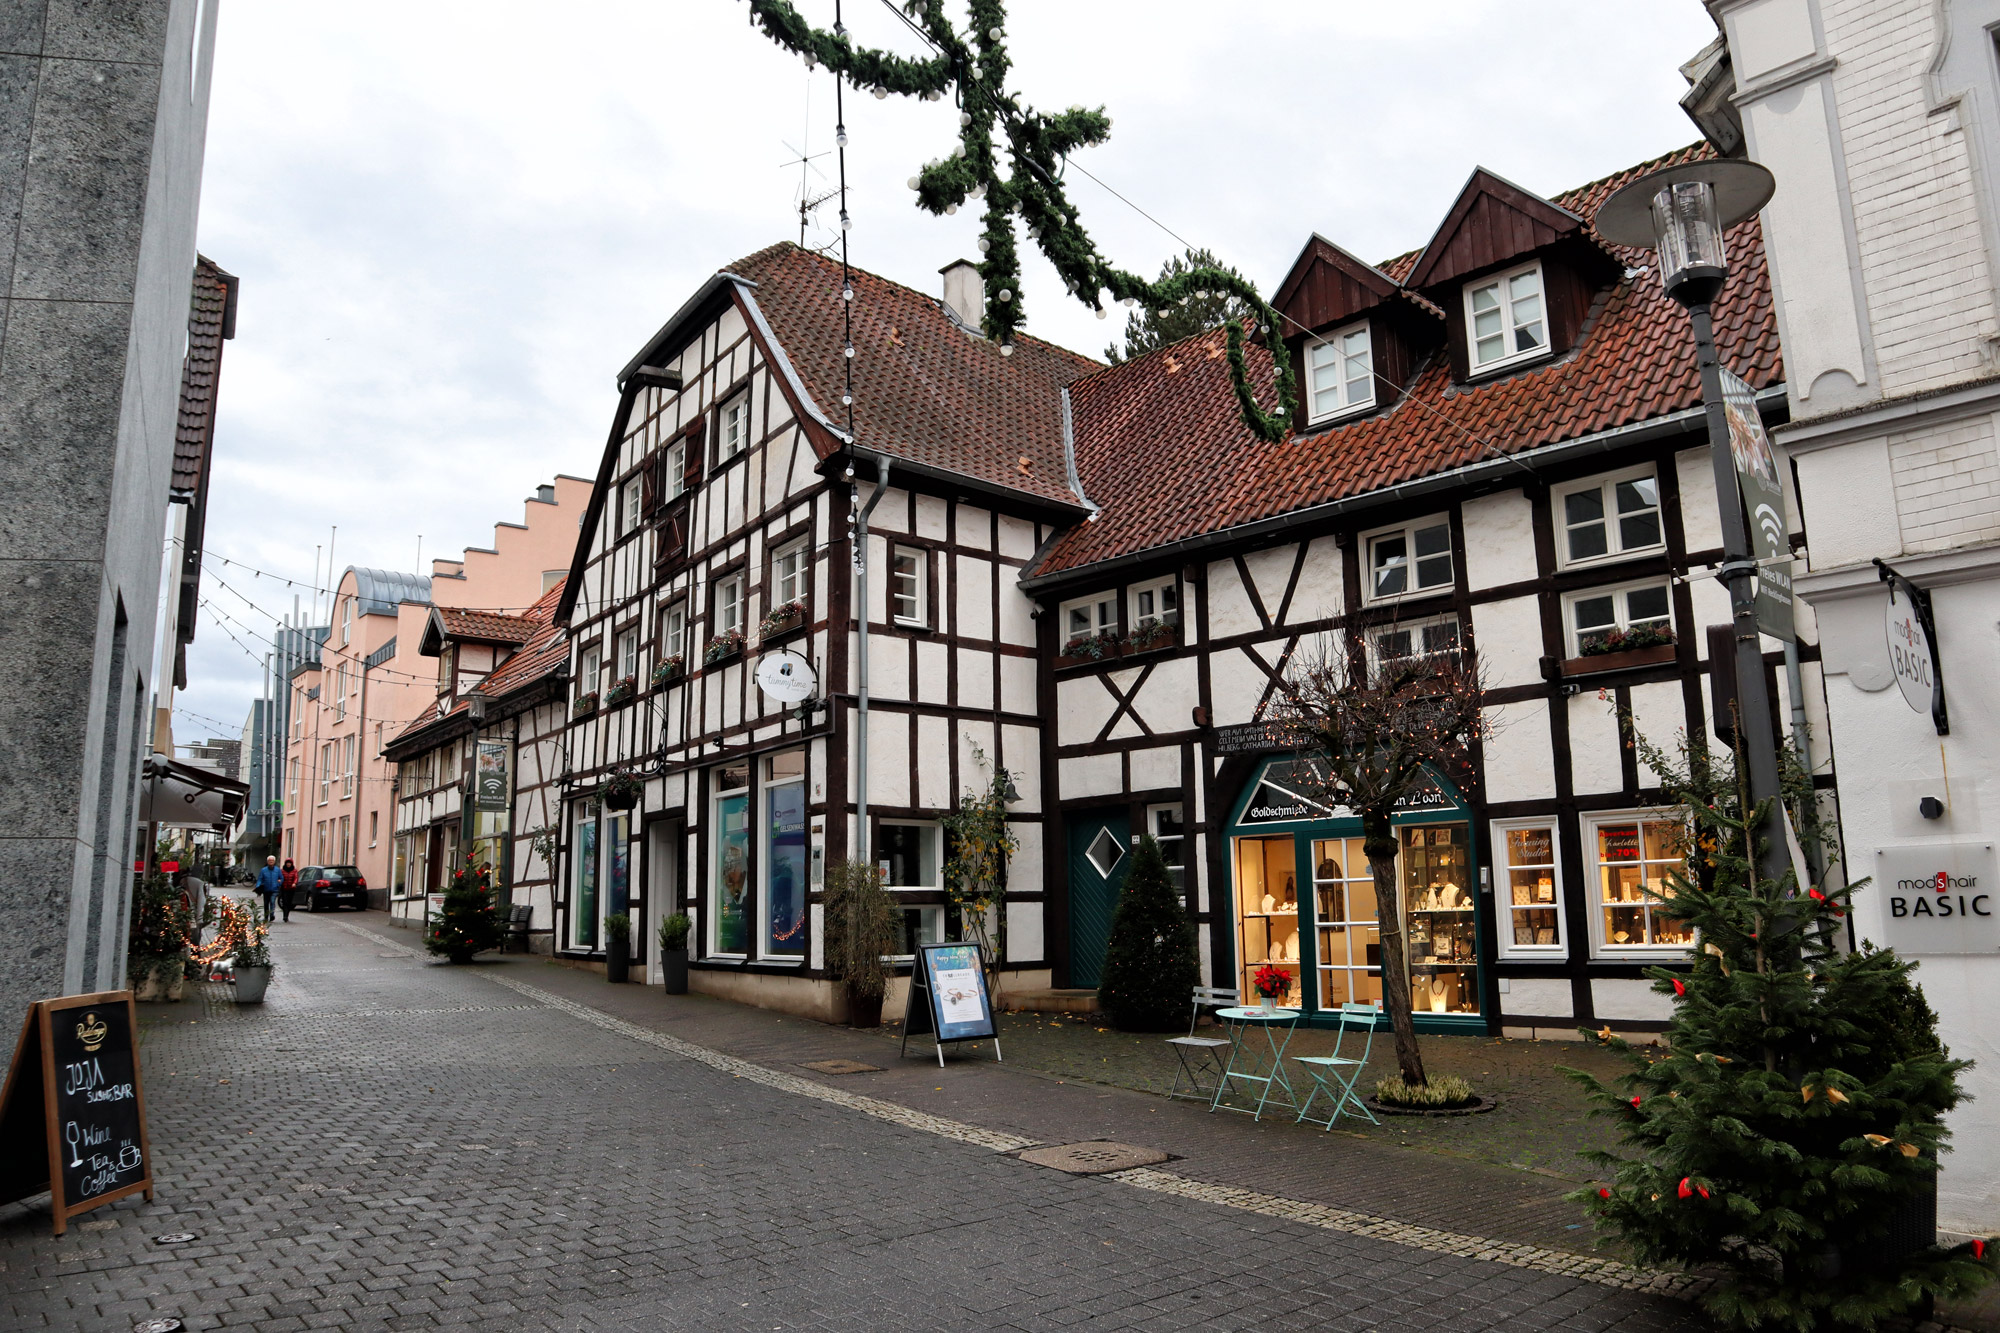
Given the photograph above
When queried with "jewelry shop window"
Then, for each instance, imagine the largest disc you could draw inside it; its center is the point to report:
(1631, 857)
(785, 871)
(1610, 516)
(1267, 887)
(1530, 906)
(1439, 904)
(729, 931)
(1411, 559)
(1348, 924)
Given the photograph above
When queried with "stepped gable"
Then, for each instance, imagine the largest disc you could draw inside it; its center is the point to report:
(1162, 448)
(925, 390)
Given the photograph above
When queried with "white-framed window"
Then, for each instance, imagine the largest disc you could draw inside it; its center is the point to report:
(588, 666)
(1609, 516)
(628, 654)
(374, 826)
(378, 737)
(908, 584)
(674, 483)
(631, 506)
(292, 776)
(347, 772)
(1603, 619)
(1625, 855)
(1413, 558)
(732, 434)
(445, 668)
(1340, 373)
(325, 772)
(346, 620)
(1412, 638)
(1158, 600)
(728, 605)
(1089, 615)
(340, 692)
(910, 853)
(1504, 322)
(1530, 889)
(921, 924)
(1164, 822)
(784, 856)
(676, 631)
(788, 574)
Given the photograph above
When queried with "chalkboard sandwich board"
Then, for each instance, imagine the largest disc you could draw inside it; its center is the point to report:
(74, 1089)
(948, 998)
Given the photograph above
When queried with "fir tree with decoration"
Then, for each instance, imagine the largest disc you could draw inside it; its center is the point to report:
(1148, 329)
(467, 924)
(1784, 1139)
(1150, 965)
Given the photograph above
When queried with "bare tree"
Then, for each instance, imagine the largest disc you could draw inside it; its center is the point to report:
(1371, 725)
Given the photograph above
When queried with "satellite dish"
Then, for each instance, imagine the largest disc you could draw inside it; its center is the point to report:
(786, 677)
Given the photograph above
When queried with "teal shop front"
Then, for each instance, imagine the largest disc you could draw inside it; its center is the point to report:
(1304, 901)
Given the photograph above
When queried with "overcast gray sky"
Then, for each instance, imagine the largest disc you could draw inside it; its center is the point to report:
(455, 221)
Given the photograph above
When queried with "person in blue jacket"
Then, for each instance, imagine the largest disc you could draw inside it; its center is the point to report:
(269, 880)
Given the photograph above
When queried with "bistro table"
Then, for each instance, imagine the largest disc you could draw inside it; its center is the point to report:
(1248, 1064)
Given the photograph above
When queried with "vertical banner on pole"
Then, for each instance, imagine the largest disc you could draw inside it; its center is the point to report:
(1759, 480)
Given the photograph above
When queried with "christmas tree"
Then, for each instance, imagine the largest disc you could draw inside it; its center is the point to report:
(1785, 1136)
(467, 923)
(1150, 967)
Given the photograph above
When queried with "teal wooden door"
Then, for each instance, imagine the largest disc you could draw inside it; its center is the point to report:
(1100, 847)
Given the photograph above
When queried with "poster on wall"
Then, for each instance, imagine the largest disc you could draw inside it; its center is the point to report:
(732, 874)
(948, 998)
(1758, 477)
(785, 857)
(489, 776)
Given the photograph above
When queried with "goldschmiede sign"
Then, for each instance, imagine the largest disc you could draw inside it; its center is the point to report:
(1939, 898)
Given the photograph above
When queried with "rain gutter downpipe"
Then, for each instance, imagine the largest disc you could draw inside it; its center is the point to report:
(861, 678)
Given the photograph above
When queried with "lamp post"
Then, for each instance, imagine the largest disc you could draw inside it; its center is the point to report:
(1682, 212)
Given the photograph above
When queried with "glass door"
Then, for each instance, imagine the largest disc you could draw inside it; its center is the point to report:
(583, 907)
(1439, 901)
(1267, 902)
(1349, 929)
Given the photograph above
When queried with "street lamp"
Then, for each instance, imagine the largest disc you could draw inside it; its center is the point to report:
(1682, 213)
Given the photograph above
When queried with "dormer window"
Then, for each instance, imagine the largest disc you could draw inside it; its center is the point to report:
(1503, 318)
(1340, 373)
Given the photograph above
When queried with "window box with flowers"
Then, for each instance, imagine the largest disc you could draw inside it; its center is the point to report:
(723, 646)
(1099, 647)
(1622, 650)
(1150, 634)
(781, 620)
(584, 705)
(668, 671)
(621, 690)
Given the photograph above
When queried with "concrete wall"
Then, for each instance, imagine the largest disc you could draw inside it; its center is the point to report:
(103, 114)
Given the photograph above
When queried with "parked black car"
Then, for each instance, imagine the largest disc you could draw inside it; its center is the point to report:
(321, 887)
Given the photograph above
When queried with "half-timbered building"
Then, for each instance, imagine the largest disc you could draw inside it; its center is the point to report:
(1500, 453)
(786, 405)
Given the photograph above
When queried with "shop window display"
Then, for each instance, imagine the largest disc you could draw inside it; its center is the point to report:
(732, 860)
(1350, 933)
(1634, 856)
(1439, 902)
(1268, 884)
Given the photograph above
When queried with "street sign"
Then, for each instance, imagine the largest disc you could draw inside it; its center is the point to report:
(948, 998)
(1939, 898)
(1763, 491)
(73, 1107)
(786, 677)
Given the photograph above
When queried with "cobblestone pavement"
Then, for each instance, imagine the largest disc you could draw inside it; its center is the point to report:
(390, 1143)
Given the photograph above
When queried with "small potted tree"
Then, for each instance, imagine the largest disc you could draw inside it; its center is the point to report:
(466, 925)
(157, 951)
(674, 952)
(618, 947)
(252, 955)
(860, 926)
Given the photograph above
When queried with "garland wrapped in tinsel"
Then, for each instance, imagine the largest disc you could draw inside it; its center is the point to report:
(972, 67)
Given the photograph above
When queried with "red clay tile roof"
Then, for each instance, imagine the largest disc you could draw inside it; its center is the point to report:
(924, 390)
(485, 626)
(208, 315)
(543, 649)
(1161, 447)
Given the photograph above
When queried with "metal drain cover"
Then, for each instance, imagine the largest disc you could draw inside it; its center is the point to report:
(165, 1324)
(1093, 1159)
(174, 1238)
(841, 1067)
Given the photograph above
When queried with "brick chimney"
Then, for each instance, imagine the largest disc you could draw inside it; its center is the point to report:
(965, 292)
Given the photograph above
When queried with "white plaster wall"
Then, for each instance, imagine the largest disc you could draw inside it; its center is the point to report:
(1017, 618)
(1156, 768)
(1271, 570)
(1017, 538)
(1518, 765)
(1023, 759)
(1091, 775)
(1024, 872)
(1017, 686)
(1236, 685)
(1701, 523)
(1499, 540)
(1319, 595)
(1538, 997)
(975, 679)
(1170, 695)
(1083, 706)
(889, 776)
(1593, 746)
(930, 517)
(975, 598)
(1229, 609)
(933, 762)
(1025, 938)
(1662, 719)
(933, 671)
(1508, 635)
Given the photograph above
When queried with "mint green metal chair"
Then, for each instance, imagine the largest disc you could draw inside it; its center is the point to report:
(1334, 1075)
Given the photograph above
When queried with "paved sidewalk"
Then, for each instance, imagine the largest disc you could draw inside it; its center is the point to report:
(390, 1144)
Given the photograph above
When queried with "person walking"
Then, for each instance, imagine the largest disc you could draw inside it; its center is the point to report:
(288, 887)
(269, 881)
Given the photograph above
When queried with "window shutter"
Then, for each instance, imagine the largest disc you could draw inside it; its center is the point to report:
(649, 485)
(693, 471)
(670, 548)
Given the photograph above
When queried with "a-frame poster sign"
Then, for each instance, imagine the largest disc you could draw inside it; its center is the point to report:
(948, 998)
(73, 1113)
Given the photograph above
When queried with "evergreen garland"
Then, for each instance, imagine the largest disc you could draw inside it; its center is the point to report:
(1785, 1135)
(993, 123)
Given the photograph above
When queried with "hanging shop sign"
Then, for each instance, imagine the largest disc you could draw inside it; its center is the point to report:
(1912, 640)
(1292, 793)
(948, 998)
(786, 677)
(490, 776)
(73, 1108)
(1939, 898)
(1758, 477)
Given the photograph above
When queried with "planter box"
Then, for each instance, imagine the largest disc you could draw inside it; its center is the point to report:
(780, 628)
(1064, 661)
(1628, 660)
